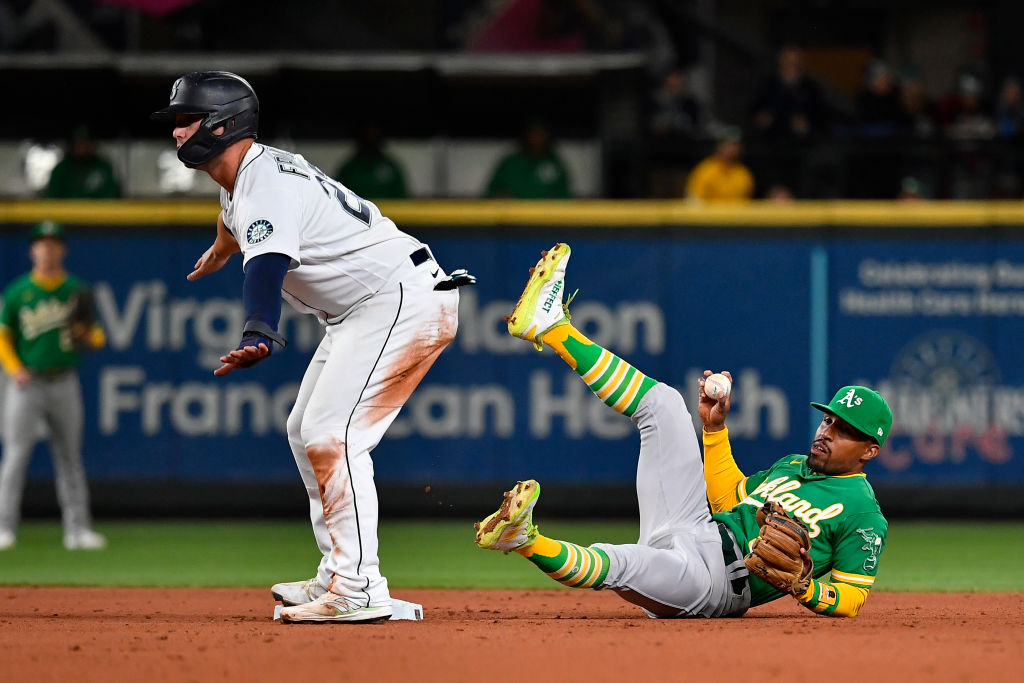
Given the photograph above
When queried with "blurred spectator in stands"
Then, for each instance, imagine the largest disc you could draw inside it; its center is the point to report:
(911, 190)
(917, 110)
(968, 122)
(1008, 172)
(780, 194)
(965, 115)
(1010, 109)
(722, 176)
(370, 172)
(534, 171)
(790, 104)
(83, 173)
(878, 106)
(674, 111)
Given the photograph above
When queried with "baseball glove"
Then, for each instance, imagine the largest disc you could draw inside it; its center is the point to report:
(81, 315)
(780, 555)
(82, 308)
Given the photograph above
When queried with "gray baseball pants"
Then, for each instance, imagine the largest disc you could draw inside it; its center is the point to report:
(57, 400)
(677, 568)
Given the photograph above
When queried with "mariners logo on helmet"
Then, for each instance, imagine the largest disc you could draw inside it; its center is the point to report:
(258, 231)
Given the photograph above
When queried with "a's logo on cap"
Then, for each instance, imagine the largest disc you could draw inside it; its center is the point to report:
(259, 231)
(851, 399)
(880, 432)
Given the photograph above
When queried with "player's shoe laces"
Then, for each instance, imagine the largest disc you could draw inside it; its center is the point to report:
(331, 607)
(297, 592)
(540, 307)
(511, 527)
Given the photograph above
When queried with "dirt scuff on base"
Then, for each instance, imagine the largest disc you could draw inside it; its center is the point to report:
(127, 634)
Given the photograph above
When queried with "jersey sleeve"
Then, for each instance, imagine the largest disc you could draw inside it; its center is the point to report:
(721, 473)
(855, 558)
(750, 483)
(857, 551)
(269, 222)
(8, 323)
(7, 312)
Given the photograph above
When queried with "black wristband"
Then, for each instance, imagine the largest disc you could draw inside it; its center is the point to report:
(261, 328)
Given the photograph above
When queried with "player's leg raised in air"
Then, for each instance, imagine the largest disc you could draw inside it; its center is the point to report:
(678, 567)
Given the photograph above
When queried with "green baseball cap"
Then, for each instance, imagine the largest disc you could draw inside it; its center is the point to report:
(48, 229)
(864, 409)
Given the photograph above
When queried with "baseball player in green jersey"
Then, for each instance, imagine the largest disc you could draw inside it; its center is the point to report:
(46, 318)
(689, 560)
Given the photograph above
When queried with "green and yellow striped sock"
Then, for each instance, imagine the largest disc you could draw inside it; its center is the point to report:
(616, 382)
(567, 563)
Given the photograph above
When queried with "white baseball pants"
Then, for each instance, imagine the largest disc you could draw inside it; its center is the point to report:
(361, 375)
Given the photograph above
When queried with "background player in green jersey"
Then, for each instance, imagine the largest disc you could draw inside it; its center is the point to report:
(44, 322)
(688, 561)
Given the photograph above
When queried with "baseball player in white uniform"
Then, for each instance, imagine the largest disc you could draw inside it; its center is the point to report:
(388, 308)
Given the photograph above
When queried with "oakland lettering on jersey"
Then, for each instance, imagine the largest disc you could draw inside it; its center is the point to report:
(48, 314)
(781, 490)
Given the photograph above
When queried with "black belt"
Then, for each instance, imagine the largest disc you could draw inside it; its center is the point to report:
(420, 256)
(730, 556)
(458, 278)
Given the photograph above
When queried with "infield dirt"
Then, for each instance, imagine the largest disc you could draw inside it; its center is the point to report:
(135, 634)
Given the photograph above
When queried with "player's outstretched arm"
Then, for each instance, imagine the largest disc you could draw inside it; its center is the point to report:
(9, 358)
(721, 474)
(224, 246)
(261, 297)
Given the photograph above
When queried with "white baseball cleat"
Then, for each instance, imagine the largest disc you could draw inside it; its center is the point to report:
(7, 539)
(85, 539)
(331, 607)
(297, 592)
(540, 306)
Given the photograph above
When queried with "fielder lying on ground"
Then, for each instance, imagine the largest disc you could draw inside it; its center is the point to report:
(809, 526)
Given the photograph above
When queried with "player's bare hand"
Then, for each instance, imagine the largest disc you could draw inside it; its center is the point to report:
(22, 377)
(713, 411)
(241, 358)
(210, 262)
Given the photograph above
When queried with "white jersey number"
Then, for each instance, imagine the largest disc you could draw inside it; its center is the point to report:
(354, 205)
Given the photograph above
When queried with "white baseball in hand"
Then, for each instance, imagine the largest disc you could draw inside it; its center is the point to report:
(717, 386)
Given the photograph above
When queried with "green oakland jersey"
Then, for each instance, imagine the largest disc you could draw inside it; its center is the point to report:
(38, 321)
(846, 525)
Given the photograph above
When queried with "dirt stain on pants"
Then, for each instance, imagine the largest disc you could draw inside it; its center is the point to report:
(406, 371)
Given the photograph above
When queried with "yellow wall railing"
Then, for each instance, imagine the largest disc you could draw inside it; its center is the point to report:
(581, 213)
